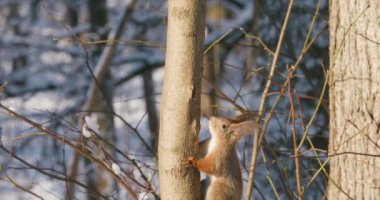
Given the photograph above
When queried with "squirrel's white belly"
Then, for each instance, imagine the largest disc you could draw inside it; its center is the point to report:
(211, 145)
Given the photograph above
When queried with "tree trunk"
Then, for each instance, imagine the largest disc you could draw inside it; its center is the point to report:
(100, 99)
(151, 107)
(98, 178)
(354, 100)
(180, 108)
(216, 13)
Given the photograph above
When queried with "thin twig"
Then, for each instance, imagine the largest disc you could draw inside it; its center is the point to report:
(14, 183)
(73, 146)
(60, 178)
(263, 101)
(224, 96)
(273, 187)
(295, 145)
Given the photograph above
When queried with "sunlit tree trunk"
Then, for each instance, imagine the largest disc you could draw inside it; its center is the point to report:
(180, 107)
(354, 146)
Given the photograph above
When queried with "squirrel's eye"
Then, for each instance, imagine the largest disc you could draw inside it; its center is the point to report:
(224, 126)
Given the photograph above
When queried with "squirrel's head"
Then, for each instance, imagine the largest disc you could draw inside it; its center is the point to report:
(231, 130)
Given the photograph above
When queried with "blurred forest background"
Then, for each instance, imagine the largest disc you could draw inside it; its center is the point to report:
(63, 60)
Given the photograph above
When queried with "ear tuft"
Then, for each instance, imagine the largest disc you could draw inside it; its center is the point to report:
(245, 128)
(250, 115)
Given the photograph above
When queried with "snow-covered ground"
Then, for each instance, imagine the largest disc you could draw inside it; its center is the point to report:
(51, 86)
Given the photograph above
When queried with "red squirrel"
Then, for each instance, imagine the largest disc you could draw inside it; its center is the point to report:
(221, 162)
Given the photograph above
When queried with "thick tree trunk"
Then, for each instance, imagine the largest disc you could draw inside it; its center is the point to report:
(354, 99)
(180, 107)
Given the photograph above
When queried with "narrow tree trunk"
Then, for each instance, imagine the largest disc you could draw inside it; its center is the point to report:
(354, 99)
(216, 13)
(151, 107)
(180, 107)
(14, 19)
(98, 179)
(96, 94)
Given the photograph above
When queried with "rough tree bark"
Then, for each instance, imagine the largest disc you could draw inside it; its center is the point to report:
(180, 107)
(354, 99)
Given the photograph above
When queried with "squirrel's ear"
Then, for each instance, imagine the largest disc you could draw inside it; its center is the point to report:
(246, 116)
(245, 128)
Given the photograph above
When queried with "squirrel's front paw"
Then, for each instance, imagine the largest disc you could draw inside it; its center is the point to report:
(189, 161)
